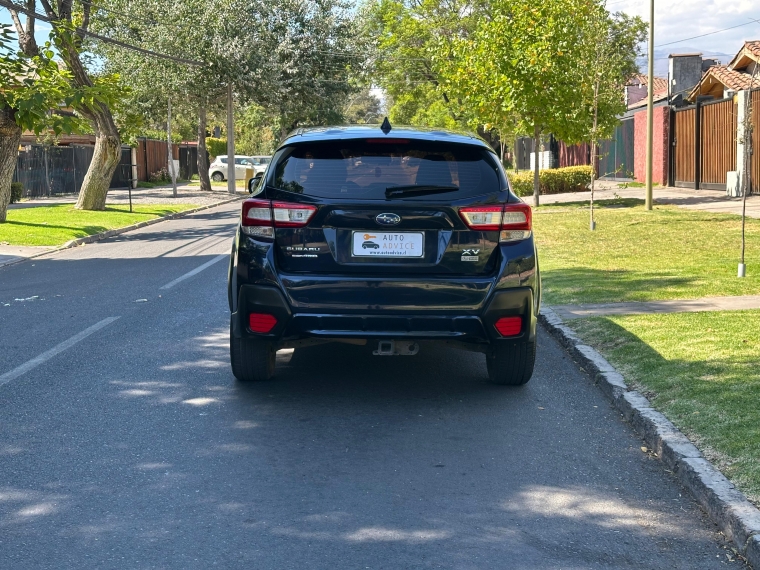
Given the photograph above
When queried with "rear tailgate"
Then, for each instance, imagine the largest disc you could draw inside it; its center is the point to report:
(362, 228)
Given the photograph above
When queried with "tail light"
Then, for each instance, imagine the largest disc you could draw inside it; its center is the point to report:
(514, 221)
(509, 326)
(260, 217)
(261, 322)
(288, 215)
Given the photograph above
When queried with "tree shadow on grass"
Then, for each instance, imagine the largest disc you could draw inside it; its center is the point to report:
(575, 285)
(713, 401)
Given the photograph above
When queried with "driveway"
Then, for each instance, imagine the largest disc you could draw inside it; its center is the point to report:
(126, 443)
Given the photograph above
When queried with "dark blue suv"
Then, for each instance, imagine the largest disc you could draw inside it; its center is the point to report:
(369, 235)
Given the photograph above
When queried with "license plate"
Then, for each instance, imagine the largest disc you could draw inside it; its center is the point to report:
(387, 244)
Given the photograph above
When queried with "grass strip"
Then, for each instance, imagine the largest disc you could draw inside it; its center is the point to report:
(639, 255)
(59, 223)
(702, 370)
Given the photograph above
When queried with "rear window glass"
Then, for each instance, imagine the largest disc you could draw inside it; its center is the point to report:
(365, 169)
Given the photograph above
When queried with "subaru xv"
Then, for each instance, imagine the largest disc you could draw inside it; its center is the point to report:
(387, 236)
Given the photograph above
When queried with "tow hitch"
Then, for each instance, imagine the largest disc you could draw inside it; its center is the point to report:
(393, 348)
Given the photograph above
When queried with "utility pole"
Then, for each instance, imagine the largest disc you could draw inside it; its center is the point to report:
(650, 105)
(230, 143)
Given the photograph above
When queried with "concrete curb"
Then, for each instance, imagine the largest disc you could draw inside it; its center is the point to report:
(115, 232)
(735, 516)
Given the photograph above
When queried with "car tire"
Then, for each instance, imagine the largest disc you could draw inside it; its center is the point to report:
(252, 359)
(511, 364)
(217, 177)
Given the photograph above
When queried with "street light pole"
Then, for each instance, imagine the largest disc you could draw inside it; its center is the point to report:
(650, 105)
(230, 142)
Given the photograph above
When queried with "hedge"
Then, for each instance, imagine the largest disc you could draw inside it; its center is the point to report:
(17, 192)
(216, 147)
(552, 181)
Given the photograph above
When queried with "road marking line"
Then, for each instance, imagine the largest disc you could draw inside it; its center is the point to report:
(195, 271)
(66, 344)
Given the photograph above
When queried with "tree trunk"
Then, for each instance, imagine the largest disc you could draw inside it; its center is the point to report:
(97, 180)
(10, 136)
(169, 153)
(202, 153)
(536, 183)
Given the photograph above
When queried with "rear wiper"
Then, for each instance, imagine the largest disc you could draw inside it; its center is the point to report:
(414, 189)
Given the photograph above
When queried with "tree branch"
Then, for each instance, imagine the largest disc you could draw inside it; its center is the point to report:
(85, 20)
(48, 9)
(17, 22)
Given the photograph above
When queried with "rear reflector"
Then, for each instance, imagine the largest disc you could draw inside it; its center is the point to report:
(261, 322)
(509, 326)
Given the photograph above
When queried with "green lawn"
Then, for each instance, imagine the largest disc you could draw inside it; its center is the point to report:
(702, 370)
(57, 224)
(635, 255)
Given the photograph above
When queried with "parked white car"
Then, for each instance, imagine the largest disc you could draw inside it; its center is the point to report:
(218, 169)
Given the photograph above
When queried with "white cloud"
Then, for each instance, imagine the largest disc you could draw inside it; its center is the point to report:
(688, 18)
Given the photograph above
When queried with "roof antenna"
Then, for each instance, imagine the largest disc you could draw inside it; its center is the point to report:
(386, 126)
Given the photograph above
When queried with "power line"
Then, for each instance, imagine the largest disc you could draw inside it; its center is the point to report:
(708, 33)
(11, 6)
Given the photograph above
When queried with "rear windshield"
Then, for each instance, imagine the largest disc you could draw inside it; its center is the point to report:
(365, 169)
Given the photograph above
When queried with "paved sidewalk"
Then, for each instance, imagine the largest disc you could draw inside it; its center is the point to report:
(569, 312)
(186, 194)
(705, 200)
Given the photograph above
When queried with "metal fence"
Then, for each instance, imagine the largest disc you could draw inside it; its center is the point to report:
(615, 158)
(53, 170)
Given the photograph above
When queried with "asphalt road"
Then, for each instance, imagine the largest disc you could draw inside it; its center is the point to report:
(128, 444)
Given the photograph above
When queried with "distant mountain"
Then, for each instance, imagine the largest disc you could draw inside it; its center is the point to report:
(661, 57)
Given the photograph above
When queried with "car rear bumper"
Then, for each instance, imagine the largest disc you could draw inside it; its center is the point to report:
(473, 324)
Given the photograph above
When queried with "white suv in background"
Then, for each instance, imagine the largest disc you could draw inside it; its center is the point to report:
(218, 169)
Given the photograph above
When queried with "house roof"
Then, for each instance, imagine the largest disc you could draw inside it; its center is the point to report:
(660, 85)
(721, 77)
(750, 52)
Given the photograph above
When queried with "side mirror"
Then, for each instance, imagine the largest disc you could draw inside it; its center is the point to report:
(253, 182)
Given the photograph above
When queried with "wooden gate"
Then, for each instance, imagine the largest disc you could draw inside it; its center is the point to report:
(684, 153)
(754, 160)
(718, 143)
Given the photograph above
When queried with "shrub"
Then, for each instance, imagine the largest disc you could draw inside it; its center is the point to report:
(17, 191)
(216, 147)
(552, 181)
(160, 176)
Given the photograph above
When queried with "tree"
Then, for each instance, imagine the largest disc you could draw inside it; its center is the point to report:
(612, 45)
(70, 27)
(523, 65)
(31, 89)
(407, 36)
(205, 32)
(317, 62)
(363, 108)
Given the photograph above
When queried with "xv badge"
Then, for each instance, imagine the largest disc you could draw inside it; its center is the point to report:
(470, 254)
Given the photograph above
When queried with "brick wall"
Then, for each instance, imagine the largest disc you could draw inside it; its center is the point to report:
(660, 147)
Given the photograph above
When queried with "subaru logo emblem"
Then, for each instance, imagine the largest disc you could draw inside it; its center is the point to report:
(387, 219)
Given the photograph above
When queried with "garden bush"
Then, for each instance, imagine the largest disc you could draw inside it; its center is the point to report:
(17, 192)
(216, 147)
(160, 176)
(552, 181)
